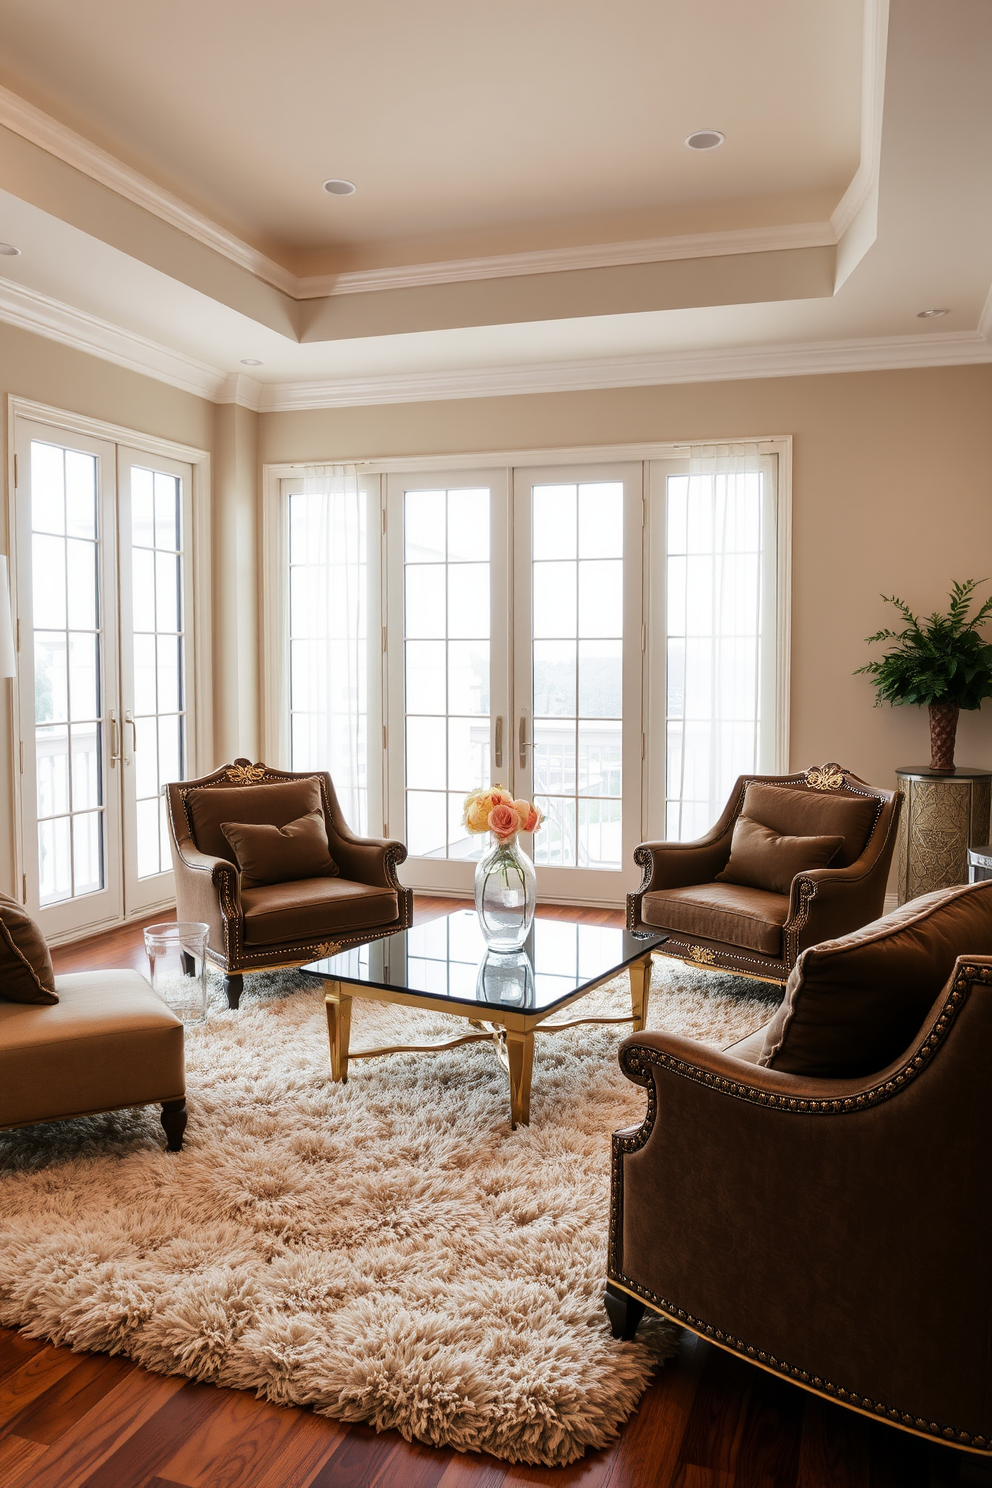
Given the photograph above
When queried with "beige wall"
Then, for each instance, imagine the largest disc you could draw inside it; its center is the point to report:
(42, 370)
(892, 492)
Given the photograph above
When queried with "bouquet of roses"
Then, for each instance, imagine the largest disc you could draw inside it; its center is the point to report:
(494, 810)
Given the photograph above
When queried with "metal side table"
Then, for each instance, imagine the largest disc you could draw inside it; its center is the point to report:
(945, 813)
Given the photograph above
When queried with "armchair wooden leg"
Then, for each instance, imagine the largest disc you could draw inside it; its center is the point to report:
(623, 1311)
(189, 964)
(234, 986)
(338, 1006)
(174, 1119)
(640, 991)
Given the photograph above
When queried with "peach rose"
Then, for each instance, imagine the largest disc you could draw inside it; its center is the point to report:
(504, 821)
(534, 819)
(476, 817)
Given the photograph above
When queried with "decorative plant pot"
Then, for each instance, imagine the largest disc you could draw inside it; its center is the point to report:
(943, 727)
(505, 895)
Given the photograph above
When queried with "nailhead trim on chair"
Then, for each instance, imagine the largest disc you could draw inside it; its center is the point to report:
(635, 1062)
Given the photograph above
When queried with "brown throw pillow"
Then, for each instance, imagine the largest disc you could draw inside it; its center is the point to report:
(268, 855)
(809, 813)
(763, 859)
(280, 802)
(854, 1004)
(26, 973)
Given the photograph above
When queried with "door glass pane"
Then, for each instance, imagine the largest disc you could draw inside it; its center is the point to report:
(155, 742)
(446, 587)
(67, 656)
(328, 636)
(577, 659)
(720, 641)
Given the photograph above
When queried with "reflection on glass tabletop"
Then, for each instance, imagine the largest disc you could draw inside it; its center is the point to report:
(447, 958)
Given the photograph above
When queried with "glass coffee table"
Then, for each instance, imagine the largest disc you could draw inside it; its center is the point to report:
(443, 966)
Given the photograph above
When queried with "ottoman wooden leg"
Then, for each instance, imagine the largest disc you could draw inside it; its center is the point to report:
(234, 986)
(174, 1121)
(623, 1311)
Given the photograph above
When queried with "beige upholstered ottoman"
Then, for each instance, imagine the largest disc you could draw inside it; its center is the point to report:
(107, 1043)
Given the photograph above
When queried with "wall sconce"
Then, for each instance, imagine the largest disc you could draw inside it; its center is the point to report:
(8, 656)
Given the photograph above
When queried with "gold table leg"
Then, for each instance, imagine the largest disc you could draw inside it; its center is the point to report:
(338, 1005)
(640, 991)
(518, 1049)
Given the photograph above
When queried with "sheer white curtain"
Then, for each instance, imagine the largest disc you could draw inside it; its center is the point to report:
(328, 531)
(721, 648)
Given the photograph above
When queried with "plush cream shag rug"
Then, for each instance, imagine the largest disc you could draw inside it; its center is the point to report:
(387, 1251)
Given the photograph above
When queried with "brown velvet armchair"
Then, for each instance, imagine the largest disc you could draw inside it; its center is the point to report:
(288, 923)
(753, 931)
(834, 1228)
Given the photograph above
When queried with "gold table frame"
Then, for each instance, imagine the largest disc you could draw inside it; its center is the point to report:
(510, 1029)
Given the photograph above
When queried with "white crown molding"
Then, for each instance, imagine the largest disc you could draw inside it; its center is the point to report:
(875, 39)
(882, 353)
(32, 311)
(58, 139)
(560, 260)
(238, 388)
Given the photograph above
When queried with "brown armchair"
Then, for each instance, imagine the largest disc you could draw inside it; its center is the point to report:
(817, 1213)
(286, 923)
(756, 931)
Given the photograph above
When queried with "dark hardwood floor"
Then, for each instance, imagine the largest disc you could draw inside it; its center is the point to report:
(708, 1421)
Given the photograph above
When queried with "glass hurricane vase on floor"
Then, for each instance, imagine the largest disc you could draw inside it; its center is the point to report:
(505, 881)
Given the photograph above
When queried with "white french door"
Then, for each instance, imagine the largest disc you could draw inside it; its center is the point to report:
(577, 673)
(514, 656)
(103, 606)
(447, 664)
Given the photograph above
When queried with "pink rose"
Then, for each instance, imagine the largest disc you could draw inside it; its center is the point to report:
(503, 821)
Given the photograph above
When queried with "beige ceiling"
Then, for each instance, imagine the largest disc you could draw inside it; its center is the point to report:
(468, 128)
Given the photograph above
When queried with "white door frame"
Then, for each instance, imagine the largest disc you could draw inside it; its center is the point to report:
(199, 663)
(143, 895)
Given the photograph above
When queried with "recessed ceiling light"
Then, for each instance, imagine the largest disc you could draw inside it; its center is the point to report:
(705, 139)
(931, 314)
(250, 362)
(9, 251)
(337, 187)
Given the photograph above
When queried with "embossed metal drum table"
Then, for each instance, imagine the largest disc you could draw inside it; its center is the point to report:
(945, 813)
(443, 966)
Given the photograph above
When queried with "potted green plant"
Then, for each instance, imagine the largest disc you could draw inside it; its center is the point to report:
(939, 660)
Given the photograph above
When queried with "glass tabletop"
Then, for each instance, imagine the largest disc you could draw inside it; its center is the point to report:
(447, 958)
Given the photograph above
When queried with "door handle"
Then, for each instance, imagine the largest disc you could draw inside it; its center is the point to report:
(522, 743)
(498, 744)
(134, 735)
(115, 740)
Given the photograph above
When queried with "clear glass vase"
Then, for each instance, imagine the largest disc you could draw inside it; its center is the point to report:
(177, 959)
(505, 895)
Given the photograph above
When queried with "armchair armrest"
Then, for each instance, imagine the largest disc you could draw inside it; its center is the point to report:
(208, 889)
(675, 865)
(827, 902)
(218, 868)
(367, 860)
